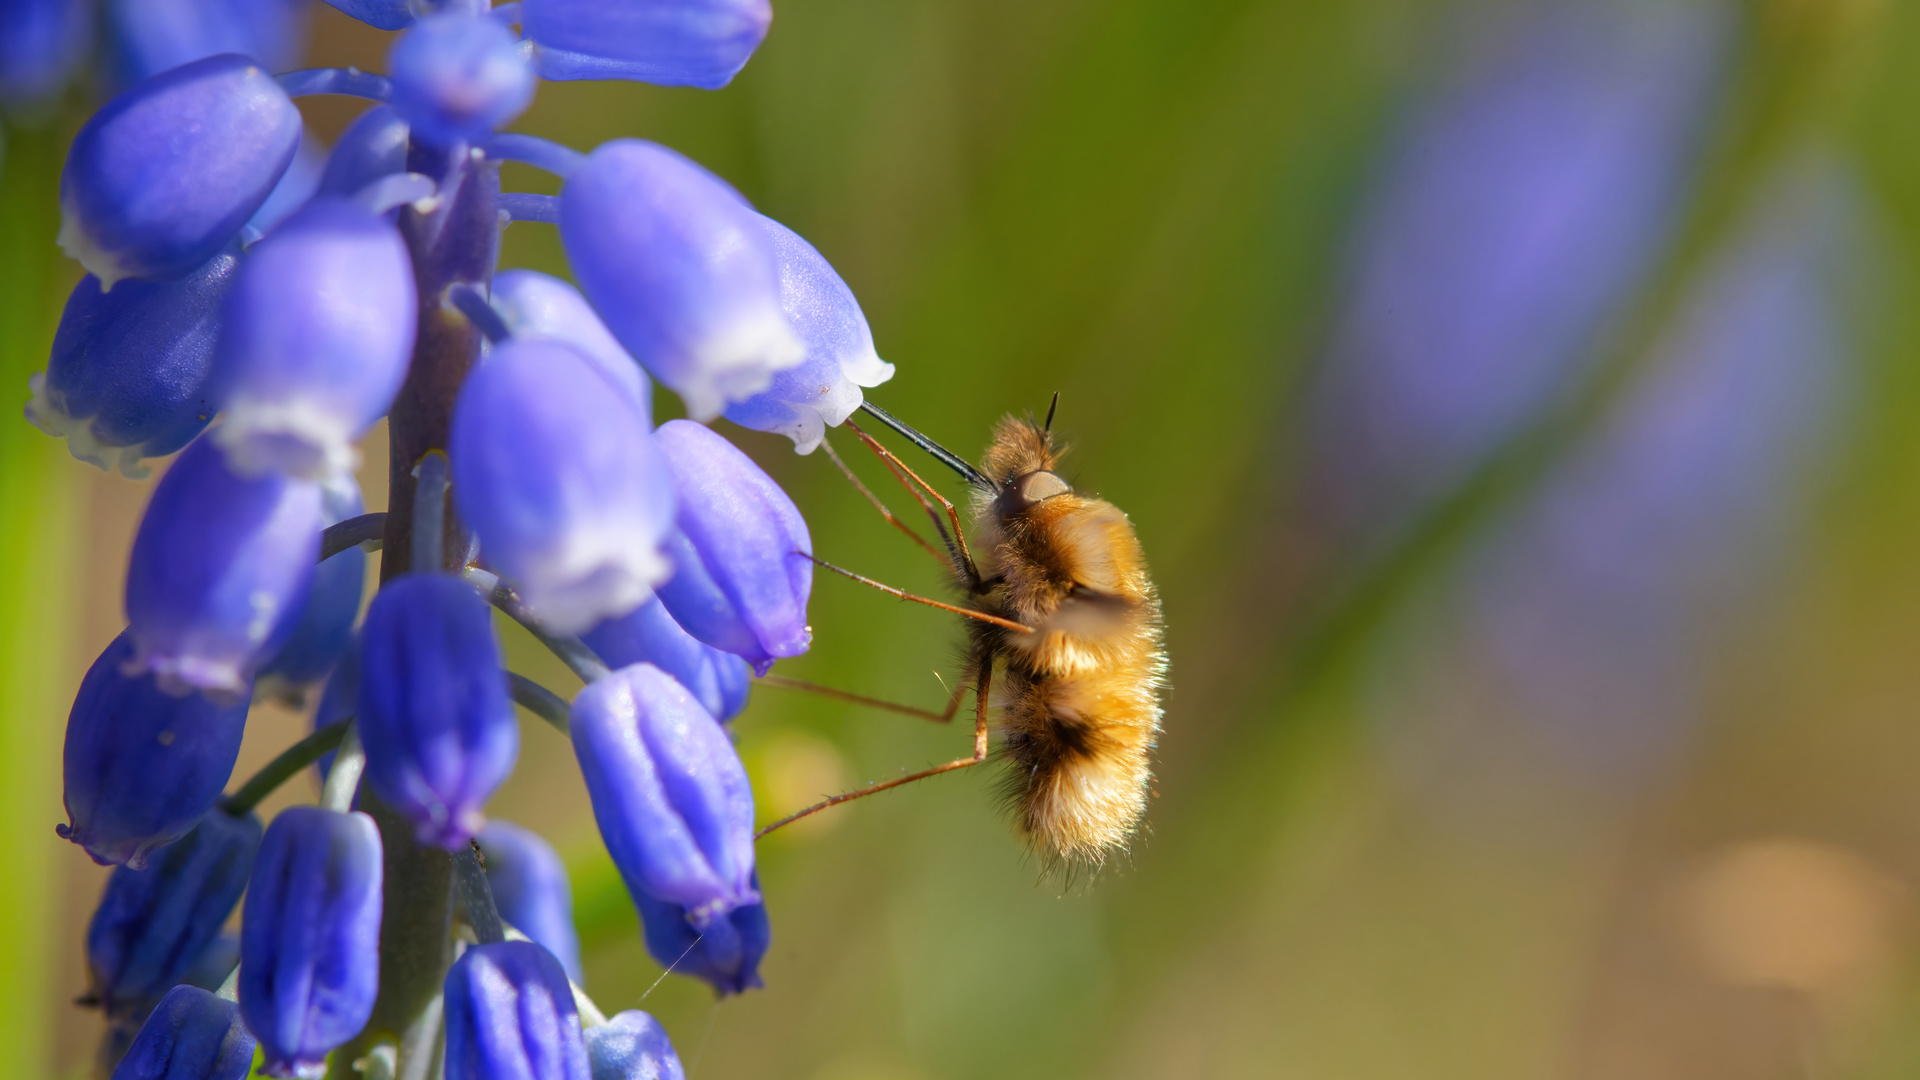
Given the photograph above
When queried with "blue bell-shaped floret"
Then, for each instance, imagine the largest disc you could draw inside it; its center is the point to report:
(632, 1046)
(191, 1035)
(153, 925)
(717, 679)
(142, 765)
(668, 792)
(45, 41)
(163, 176)
(324, 630)
(220, 571)
(741, 573)
(726, 955)
(554, 469)
(456, 79)
(682, 271)
(700, 43)
(531, 889)
(373, 146)
(825, 389)
(147, 37)
(383, 14)
(131, 373)
(533, 304)
(510, 1016)
(435, 717)
(310, 937)
(319, 332)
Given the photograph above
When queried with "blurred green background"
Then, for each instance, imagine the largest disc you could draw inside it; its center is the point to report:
(1357, 863)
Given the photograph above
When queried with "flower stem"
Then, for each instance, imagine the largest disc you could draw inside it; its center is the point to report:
(280, 769)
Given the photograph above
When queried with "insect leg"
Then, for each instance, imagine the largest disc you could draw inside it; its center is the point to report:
(968, 612)
(878, 505)
(957, 542)
(784, 683)
(979, 755)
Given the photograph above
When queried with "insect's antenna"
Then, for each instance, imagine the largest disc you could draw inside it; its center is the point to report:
(945, 456)
(1051, 405)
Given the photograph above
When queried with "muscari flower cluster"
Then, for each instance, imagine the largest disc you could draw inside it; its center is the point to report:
(661, 563)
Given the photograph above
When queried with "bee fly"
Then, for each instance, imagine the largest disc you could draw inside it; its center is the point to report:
(1063, 608)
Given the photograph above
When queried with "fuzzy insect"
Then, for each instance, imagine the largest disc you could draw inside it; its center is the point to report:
(1064, 610)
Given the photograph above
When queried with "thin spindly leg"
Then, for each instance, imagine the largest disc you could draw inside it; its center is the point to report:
(945, 716)
(945, 560)
(891, 591)
(962, 557)
(979, 755)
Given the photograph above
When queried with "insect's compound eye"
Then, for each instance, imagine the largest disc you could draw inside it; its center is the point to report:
(1038, 487)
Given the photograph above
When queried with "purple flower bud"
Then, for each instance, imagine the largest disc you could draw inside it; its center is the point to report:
(220, 570)
(668, 791)
(726, 954)
(142, 766)
(373, 146)
(632, 1046)
(324, 631)
(531, 889)
(740, 579)
(717, 679)
(151, 36)
(310, 937)
(384, 14)
(44, 42)
(824, 390)
(192, 1035)
(564, 488)
(510, 1016)
(533, 304)
(457, 78)
(153, 925)
(319, 333)
(700, 43)
(434, 716)
(165, 174)
(681, 269)
(130, 376)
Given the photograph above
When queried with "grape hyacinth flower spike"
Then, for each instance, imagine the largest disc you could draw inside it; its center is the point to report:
(533, 304)
(319, 331)
(511, 1016)
(701, 307)
(632, 1046)
(153, 925)
(160, 179)
(531, 890)
(457, 78)
(219, 574)
(438, 726)
(741, 572)
(701, 43)
(668, 792)
(131, 373)
(561, 483)
(191, 1035)
(717, 679)
(142, 765)
(825, 389)
(726, 955)
(310, 937)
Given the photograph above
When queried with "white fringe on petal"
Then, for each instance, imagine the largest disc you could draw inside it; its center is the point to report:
(294, 438)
